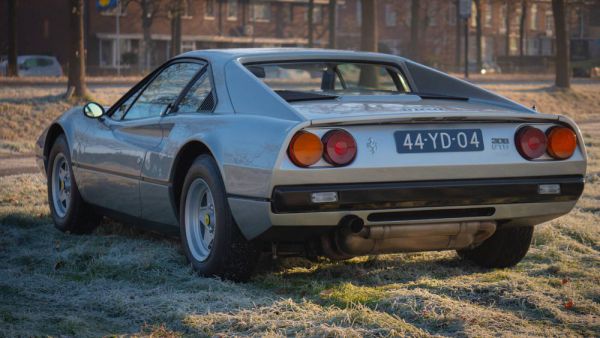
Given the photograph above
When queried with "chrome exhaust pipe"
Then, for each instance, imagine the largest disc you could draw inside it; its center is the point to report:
(354, 238)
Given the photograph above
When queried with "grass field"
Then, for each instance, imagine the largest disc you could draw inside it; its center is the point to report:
(121, 280)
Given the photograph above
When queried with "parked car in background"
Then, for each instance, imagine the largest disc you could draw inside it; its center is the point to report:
(317, 153)
(34, 65)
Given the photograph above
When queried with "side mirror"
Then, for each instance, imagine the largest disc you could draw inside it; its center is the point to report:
(93, 110)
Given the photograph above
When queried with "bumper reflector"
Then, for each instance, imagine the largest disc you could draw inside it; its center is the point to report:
(549, 189)
(324, 197)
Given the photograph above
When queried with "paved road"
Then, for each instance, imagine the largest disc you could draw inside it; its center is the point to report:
(16, 165)
(25, 164)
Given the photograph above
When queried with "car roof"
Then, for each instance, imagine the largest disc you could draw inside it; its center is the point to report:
(284, 53)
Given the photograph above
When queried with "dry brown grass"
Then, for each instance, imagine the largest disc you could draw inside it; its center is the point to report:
(120, 280)
(26, 109)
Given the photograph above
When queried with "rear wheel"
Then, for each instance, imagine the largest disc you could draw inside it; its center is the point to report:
(211, 240)
(69, 212)
(505, 248)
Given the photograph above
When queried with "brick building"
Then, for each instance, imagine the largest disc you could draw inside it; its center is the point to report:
(43, 29)
(205, 24)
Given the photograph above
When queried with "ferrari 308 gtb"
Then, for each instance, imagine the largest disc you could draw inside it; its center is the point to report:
(313, 152)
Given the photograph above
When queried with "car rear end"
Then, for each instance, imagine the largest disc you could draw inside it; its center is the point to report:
(418, 161)
(428, 178)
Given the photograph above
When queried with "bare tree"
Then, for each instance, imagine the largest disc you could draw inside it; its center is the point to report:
(458, 33)
(478, 33)
(368, 28)
(415, 22)
(310, 23)
(176, 9)
(12, 38)
(369, 40)
(507, 23)
(150, 10)
(76, 86)
(563, 66)
(522, 29)
(332, 10)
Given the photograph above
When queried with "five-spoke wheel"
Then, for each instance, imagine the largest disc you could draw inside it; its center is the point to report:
(211, 240)
(200, 219)
(61, 185)
(69, 211)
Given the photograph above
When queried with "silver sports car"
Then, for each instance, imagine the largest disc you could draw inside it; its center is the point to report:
(313, 152)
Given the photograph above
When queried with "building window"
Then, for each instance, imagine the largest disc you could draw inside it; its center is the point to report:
(452, 14)
(533, 21)
(318, 14)
(432, 10)
(390, 15)
(209, 9)
(503, 19)
(549, 23)
(516, 19)
(108, 52)
(359, 13)
(188, 9)
(514, 45)
(232, 10)
(188, 46)
(488, 13)
(474, 14)
(260, 12)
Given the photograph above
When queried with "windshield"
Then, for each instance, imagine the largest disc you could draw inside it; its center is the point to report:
(330, 79)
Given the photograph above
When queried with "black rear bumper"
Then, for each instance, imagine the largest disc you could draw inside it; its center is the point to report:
(419, 194)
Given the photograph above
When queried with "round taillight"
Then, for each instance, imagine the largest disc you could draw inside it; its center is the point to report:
(562, 142)
(305, 149)
(531, 142)
(340, 147)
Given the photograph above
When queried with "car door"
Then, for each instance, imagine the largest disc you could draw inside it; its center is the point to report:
(114, 148)
(197, 101)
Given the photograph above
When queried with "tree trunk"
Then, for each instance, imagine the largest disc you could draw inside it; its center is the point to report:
(368, 41)
(76, 86)
(311, 27)
(478, 34)
(415, 20)
(220, 7)
(332, 10)
(176, 13)
(507, 23)
(522, 30)
(457, 38)
(562, 44)
(147, 17)
(12, 69)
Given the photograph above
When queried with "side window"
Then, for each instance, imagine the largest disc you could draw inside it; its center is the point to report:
(43, 62)
(30, 63)
(200, 97)
(122, 109)
(162, 91)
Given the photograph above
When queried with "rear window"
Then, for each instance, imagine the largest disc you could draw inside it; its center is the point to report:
(331, 77)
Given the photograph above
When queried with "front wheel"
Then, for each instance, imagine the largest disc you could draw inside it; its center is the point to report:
(505, 248)
(211, 240)
(69, 212)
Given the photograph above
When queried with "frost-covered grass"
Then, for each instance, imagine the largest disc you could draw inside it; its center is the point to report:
(121, 280)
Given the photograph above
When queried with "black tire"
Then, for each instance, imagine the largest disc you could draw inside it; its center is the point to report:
(231, 255)
(504, 249)
(78, 217)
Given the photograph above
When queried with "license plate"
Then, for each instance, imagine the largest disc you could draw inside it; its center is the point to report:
(438, 140)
